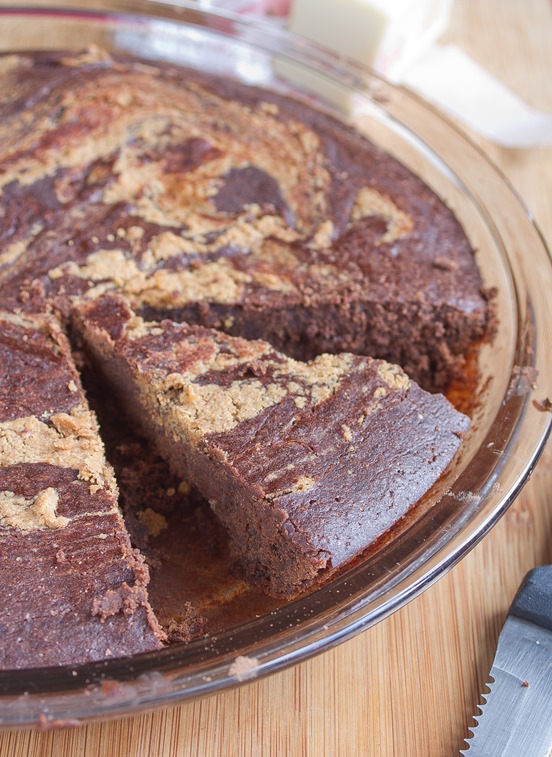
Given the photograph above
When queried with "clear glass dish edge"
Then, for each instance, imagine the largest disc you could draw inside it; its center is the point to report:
(160, 678)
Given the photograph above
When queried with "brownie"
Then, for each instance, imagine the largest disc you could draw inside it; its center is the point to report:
(73, 589)
(184, 217)
(205, 200)
(305, 464)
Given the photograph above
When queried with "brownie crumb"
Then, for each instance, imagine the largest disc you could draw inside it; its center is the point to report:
(126, 599)
(544, 406)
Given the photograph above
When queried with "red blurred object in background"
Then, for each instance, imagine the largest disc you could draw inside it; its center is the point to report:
(278, 7)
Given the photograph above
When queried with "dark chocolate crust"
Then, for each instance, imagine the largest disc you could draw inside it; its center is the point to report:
(320, 467)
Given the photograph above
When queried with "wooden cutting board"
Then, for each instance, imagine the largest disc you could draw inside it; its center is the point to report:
(407, 687)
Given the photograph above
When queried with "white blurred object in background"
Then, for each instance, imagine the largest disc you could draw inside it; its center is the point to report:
(459, 85)
(398, 39)
(253, 7)
(405, 51)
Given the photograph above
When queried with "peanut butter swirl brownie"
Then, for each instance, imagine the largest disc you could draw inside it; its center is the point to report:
(204, 200)
(73, 589)
(230, 256)
(304, 463)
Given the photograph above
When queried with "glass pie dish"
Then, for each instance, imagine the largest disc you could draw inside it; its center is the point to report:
(514, 372)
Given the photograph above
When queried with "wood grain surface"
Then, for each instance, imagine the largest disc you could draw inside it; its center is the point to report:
(408, 686)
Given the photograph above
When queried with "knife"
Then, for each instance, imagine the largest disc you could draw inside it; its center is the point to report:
(516, 719)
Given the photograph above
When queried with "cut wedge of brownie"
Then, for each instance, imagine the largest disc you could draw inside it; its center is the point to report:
(73, 589)
(305, 464)
(211, 202)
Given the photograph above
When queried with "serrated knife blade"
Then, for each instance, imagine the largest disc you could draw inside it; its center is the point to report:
(516, 718)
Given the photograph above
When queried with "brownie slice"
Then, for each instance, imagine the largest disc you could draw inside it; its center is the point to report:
(208, 201)
(73, 589)
(304, 463)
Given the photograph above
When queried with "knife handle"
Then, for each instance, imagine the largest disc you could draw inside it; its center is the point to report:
(533, 602)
